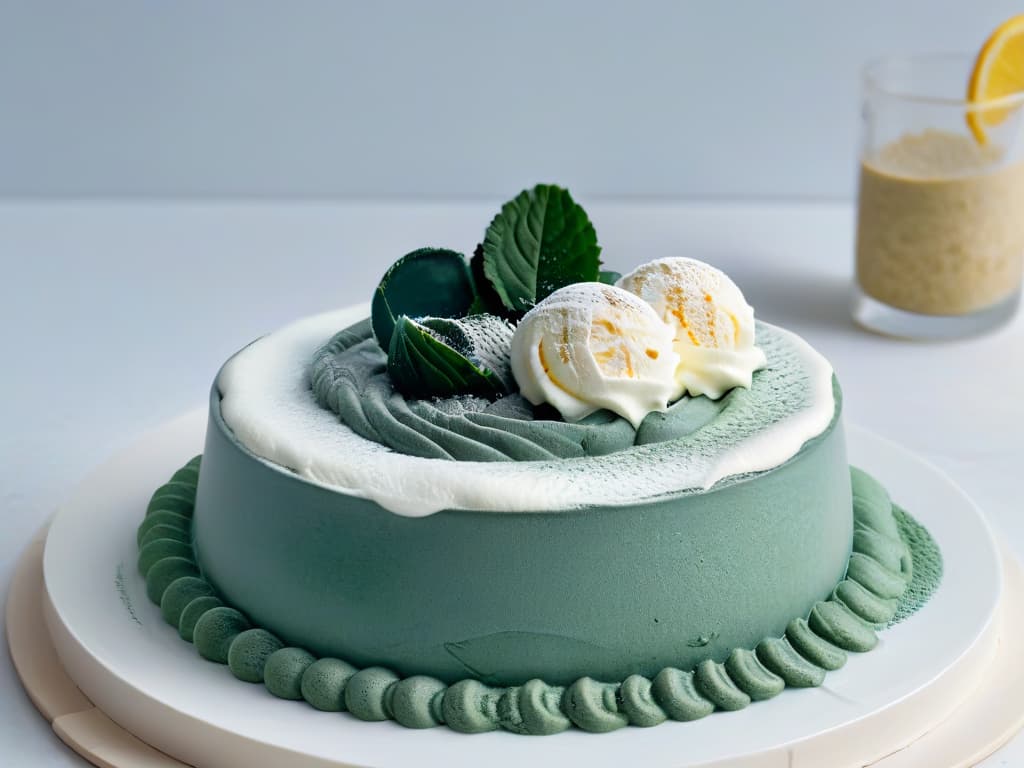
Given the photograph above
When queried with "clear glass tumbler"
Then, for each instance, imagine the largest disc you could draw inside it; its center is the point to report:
(940, 216)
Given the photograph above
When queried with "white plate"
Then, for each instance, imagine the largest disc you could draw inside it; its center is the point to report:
(115, 645)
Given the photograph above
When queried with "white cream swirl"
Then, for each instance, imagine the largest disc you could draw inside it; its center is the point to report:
(713, 326)
(590, 346)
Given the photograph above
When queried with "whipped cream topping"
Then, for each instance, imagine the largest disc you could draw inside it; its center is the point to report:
(268, 404)
(713, 326)
(590, 346)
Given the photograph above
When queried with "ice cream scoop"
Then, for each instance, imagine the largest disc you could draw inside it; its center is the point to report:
(713, 326)
(590, 346)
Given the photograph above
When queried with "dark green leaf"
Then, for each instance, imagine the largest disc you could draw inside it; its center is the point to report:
(477, 307)
(428, 281)
(608, 276)
(540, 242)
(485, 340)
(411, 372)
(442, 357)
(487, 299)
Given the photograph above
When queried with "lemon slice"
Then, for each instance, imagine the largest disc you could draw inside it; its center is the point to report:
(998, 72)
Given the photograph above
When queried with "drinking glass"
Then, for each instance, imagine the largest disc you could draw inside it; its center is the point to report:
(940, 215)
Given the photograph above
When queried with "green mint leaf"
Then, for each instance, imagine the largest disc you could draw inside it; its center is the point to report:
(428, 281)
(540, 241)
(477, 307)
(608, 276)
(445, 357)
(487, 300)
(485, 340)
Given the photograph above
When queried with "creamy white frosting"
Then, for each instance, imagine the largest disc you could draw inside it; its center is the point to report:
(590, 346)
(712, 323)
(268, 404)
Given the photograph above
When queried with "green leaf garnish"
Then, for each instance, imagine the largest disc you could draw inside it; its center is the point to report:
(540, 242)
(444, 357)
(487, 300)
(608, 276)
(428, 281)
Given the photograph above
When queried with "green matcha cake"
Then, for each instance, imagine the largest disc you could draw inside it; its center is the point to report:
(522, 493)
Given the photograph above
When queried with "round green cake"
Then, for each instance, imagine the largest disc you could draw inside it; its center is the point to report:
(529, 619)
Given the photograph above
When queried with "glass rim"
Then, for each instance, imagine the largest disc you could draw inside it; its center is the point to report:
(870, 77)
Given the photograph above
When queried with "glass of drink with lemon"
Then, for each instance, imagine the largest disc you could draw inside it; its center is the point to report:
(940, 224)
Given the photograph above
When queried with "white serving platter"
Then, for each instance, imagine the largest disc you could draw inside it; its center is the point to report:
(138, 676)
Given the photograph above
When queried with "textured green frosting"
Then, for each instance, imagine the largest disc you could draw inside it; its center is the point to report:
(323, 684)
(194, 611)
(216, 630)
(349, 375)
(248, 654)
(284, 670)
(927, 565)
(891, 551)
(179, 594)
(367, 693)
(415, 702)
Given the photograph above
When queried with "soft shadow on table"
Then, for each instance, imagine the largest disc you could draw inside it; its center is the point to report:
(797, 299)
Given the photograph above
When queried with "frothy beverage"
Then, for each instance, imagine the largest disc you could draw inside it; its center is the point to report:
(940, 229)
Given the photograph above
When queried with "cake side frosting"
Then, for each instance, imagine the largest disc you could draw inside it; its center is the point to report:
(866, 599)
(605, 591)
(269, 404)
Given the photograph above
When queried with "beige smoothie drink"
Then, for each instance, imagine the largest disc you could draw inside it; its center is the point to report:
(940, 229)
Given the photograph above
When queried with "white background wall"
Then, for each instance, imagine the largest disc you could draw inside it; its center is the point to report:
(448, 98)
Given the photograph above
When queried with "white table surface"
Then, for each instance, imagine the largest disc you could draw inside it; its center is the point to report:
(115, 316)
